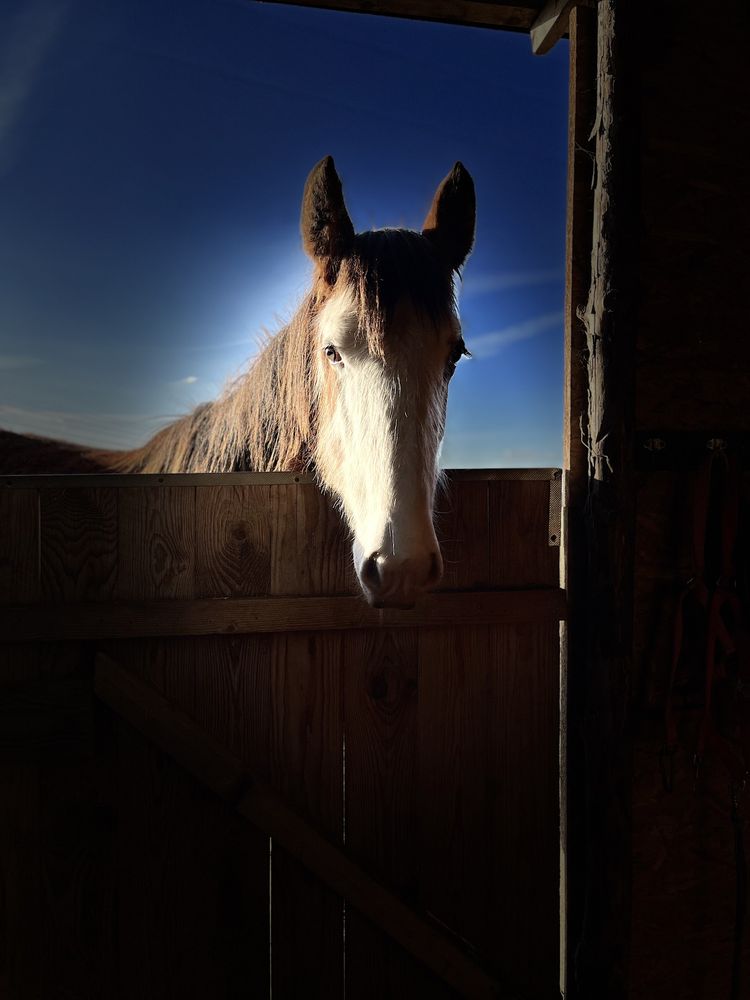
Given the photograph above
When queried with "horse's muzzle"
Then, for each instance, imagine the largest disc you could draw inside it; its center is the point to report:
(395, 581)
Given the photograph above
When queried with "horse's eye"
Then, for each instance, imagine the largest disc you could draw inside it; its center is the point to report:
(333, 355)
(459, 351)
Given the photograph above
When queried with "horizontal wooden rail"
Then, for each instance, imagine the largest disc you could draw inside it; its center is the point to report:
(232, 616)
(147, 711)
(107, 480)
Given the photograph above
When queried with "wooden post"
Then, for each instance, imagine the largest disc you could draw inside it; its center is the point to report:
(600, 870)
(582, 96)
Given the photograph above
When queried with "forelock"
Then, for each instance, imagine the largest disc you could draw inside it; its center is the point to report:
(389, 266)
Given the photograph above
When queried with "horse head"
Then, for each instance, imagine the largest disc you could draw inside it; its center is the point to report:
(386, 342)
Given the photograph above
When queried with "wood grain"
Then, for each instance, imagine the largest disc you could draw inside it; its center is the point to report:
(275, 661)
(233, 676)
(455, 779)
(156, 543)
(285, 568)
(153, 717)
(233, 541)
(380, 717)
(166, 887)
(19, 546)
(462, 525)
(78, 545)
(307, 768)
(520, 553)
(170, 665)
(323, 545)
(522, 930)
(142, 619)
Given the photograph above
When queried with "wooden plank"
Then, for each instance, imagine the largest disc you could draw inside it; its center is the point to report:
(133, 619)
(61, 928)
(323, 546)
(109, 480)
(152, 716)
(550, 24)
(605, 616)
(380, 713)
(19, 546)
(516, 16)
(427, 944)
(520, 553)
(233, 676)
(171, 878)
(170, 665)
(462, 525)
(233, 558)
(156, 543)
(307, 768)
(306, 748)
(21, 890)
(522, 927)
(78, 545)
(455, 779)
(285, 562)
(488, 772)
(582, 91)
(233, 541)
(193, 894)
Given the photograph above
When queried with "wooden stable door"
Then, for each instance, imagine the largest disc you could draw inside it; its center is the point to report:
(422, 746)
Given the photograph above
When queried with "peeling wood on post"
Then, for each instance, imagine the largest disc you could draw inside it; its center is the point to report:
(605, 624)
(152, 715)
(597, 313)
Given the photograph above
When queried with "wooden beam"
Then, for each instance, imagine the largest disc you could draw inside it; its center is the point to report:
(606, 619)
(582, 94)
(246, 616)
(147, 480)
(152, 715)
(550, 25)
(517, 16)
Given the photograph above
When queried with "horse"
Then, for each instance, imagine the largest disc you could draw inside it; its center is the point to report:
(354, 388)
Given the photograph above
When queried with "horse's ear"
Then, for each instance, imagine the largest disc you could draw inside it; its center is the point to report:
(327, 231)
(452, 217)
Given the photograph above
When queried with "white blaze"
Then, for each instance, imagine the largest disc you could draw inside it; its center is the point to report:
(380, 433)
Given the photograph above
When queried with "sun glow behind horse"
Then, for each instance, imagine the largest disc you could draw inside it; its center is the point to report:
(354, 388)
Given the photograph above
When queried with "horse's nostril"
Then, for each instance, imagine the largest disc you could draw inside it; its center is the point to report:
(370, 572)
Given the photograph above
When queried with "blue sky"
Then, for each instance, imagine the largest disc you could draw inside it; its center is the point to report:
(152, 160)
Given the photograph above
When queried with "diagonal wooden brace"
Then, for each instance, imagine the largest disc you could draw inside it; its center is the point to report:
(174, 733)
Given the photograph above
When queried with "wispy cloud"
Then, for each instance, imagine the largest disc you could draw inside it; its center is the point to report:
(476, 284)
(188, 380)
(488, 344)
(22, 53)
(15, 362)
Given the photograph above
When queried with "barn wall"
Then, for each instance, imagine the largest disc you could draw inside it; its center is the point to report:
(693, 375)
